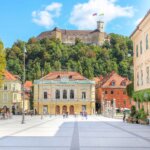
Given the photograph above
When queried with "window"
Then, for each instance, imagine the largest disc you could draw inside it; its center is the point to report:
(105, 92)
(83, 95)
(4, 97)
(124, 92)
(146, 41)
(13, 87)
(124, 102)
(71, 94)
(137, 53)
(57, 94)
(141, 77)
(147, 74)
(64, 94)
(5, 86)
(123, 83)
(138, 79)
(141, 47)
(113, 83)
(45, 95)
(15, 97)
(112, 92)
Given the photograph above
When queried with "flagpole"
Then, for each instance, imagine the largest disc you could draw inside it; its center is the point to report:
(24, 76)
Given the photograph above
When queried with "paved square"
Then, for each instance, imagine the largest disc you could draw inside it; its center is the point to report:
(56, 133)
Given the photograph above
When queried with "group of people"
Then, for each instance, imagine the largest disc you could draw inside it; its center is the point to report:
(5, 113)
(83, 114)
(65, 114)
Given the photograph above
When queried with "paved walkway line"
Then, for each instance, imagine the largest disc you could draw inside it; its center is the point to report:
(134, 134)
(75, 138)
(36, 125)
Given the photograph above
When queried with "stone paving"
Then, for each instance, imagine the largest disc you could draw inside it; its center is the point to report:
(56, 133)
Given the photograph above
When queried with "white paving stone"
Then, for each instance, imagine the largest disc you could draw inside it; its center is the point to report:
(56, 133)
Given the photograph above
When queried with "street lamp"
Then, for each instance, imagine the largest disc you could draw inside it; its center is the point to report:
(42, 95)
(24, 77)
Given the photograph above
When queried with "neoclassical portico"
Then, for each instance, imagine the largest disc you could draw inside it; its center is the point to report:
(60, 92)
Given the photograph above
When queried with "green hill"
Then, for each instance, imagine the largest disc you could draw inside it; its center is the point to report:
(90, 60)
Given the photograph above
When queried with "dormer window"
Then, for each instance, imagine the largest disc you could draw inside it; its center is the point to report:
(58, 77)
(123, 83)
(112, 83)
(70, 77)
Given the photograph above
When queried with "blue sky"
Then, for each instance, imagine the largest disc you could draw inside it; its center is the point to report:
(22, 19)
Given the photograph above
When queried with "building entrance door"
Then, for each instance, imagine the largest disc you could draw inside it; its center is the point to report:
(71, 110)
(64, 109)
(83, 108)
(45, 109)
(57, 110)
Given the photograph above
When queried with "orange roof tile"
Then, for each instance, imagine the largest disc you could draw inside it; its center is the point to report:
(59, 74)
(9, 76)
(113, 76)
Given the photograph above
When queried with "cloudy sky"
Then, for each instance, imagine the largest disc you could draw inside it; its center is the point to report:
(22, 19)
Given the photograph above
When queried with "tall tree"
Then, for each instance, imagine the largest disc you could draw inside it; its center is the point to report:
(2, 62)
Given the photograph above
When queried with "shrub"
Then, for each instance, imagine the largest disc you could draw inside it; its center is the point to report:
(142, 115)
(133, 111)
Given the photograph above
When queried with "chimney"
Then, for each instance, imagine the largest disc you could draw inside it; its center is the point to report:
(100, 26)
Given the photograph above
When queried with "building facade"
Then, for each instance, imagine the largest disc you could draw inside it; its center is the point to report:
(28, 95)
(141, 46)
(112, 88)
(97, 36)
(141, 50)
(10, 93)
(61, 92)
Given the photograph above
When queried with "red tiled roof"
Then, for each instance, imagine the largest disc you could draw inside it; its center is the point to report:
(9, 76)
(28, 84)
(113, 76)
(59, 74)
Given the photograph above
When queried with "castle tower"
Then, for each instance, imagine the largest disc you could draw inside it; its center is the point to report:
(100, 26)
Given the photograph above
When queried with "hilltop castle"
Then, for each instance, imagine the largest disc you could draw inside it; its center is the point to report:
(97, 36)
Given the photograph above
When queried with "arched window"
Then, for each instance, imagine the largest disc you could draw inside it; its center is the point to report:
(64, 94)
(57, 94)
(71, 94)
(146, 41)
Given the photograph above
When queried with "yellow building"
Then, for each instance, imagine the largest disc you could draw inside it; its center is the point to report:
(10, 92)
(61, 92)
(141, 44)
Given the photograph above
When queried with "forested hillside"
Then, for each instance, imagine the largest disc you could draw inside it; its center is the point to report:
(90, 60)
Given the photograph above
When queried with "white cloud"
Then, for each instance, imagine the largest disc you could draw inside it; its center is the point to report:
(81, 16)
(45, 17)
(138, 21)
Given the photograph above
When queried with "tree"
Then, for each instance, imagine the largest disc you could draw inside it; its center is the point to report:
(47, 68)
(89, 60)
(2, 63)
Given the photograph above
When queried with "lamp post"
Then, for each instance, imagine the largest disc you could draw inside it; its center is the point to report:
(42, 96)
(24, 77)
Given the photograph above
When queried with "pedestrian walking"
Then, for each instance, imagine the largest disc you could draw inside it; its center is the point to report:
(124, 116)
(64, 115)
